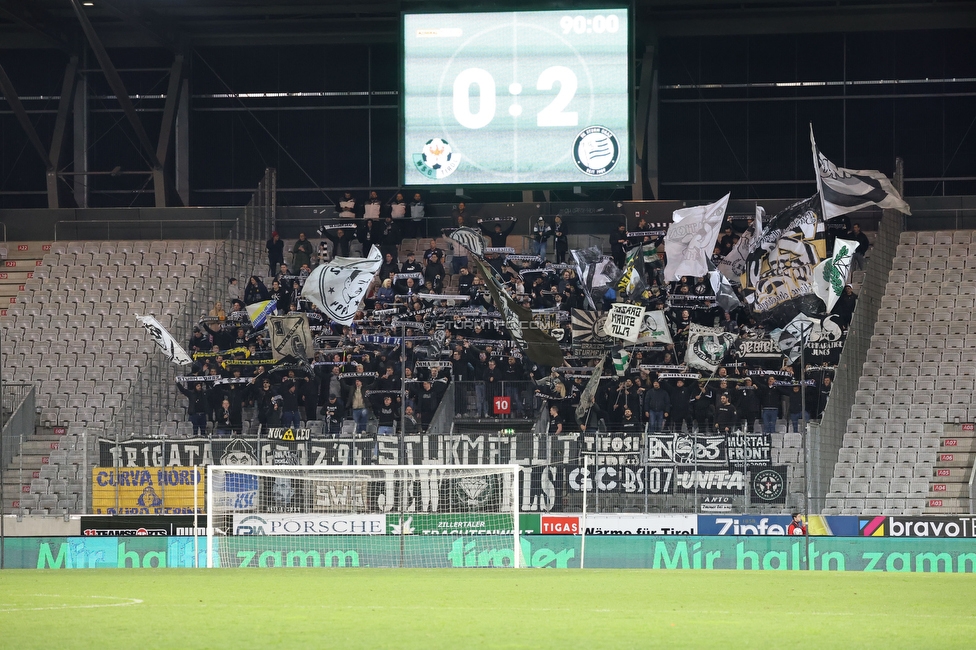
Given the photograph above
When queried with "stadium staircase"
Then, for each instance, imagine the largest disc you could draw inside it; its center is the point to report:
(70, 329)
(909, 445)
(20, 261)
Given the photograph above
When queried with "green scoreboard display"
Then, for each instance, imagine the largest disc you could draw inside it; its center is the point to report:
(528, 97)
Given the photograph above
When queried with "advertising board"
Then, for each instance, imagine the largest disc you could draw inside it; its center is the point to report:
(923, 526)
(752, 553)
(654, 524)
(308, 524)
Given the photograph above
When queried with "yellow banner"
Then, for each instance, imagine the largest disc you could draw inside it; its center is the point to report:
(222, 353)
(147, 490)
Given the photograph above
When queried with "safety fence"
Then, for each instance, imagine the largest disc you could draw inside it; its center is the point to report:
(153, 400)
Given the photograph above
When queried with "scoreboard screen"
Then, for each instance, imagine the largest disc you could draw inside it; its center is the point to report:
(528, 97)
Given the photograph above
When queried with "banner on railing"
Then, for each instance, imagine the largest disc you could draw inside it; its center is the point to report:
(147, 491)
(619, 463)
(704, 450)
(656, 481)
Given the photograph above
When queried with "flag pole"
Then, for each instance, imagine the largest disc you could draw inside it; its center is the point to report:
(403, 392)
(806, 444)
(585, 478)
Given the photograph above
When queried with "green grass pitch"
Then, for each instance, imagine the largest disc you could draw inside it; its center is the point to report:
(322, 608)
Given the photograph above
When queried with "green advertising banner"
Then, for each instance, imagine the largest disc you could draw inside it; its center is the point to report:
(753, 553)
(459, 524)
(102, 552)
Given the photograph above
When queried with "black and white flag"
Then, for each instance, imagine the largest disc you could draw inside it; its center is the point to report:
(290, 335)
(733, 265)
(596, 273)
(470, 239)
(846, 190)
(338, 287)
(173, 350)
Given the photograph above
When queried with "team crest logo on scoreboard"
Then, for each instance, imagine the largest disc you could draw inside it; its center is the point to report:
(596, 150)
(436, 160)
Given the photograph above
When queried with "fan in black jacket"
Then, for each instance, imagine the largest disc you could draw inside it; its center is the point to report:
(561, 239)
(197, 408)
(494, 231)
(333, 412)
(255, 291)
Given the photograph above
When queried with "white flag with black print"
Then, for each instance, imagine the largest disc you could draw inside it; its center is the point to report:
(338, 287)
(655, 329)
(830, 276)
(624, 321)
(173, 350)
(846, 190)
(690, 240)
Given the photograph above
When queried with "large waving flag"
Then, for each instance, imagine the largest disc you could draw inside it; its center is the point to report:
(259, 312)
(470, 239)
(338, 287)
(733, 265)
(173, 350)
(588, 396)
(596, 273)
(535, 343)
(830, 276)
(846, 190)
(778, 281)
(690, 240)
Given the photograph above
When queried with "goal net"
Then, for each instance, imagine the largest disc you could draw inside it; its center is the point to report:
(417, 516)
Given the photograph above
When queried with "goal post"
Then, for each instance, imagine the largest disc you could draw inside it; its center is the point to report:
(392, 516)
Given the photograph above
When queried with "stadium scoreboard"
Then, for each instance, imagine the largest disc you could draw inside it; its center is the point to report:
(528, 97)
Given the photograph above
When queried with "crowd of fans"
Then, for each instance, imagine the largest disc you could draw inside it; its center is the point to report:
(359, 371)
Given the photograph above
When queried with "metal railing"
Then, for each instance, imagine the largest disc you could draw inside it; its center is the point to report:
(18, 408)
(19, 413)
(503, 400)
(972, 489)
(153, 400)
(143, 229)
(443, 418)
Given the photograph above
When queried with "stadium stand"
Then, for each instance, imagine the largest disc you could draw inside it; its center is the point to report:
(905, 450)
(75, 337)
(71, 330)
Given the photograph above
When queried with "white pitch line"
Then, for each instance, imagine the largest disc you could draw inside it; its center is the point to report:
(128, 601)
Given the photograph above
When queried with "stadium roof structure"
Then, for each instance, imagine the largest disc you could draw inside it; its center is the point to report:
(178, 23)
